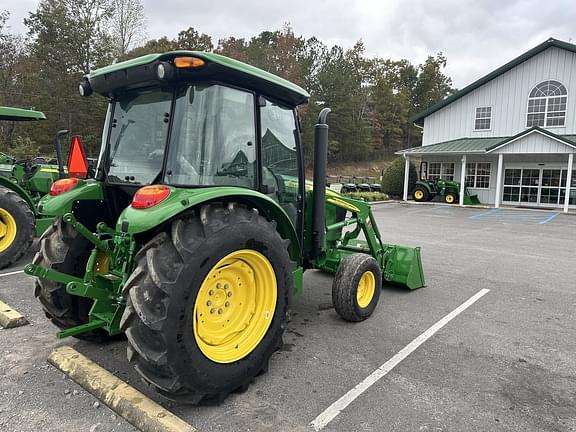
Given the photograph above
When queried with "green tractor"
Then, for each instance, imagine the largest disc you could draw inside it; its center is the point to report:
(194, 235)
(22, 184)
(449, 190)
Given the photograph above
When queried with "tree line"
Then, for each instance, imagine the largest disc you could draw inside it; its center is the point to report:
(371, 98)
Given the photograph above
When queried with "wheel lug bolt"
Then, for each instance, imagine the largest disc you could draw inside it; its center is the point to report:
(226, 286)
(211, 292)
(218, 285)
(208, 303)
(212, 310)
(229, 294)
(220, 311)
(227, 304)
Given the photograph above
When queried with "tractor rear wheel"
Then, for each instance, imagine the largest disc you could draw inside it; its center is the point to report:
(63, 249)
(356, 287)
(16, 227)
(207, 303)
(420, 194)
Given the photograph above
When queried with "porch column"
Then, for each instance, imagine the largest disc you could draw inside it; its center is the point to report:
(568, 182)
(462, 180)
(499, 180)
(406, 173)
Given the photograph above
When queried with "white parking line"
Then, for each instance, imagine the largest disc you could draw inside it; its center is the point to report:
(11, 273)
(336, 408)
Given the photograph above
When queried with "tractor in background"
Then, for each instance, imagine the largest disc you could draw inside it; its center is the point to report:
(193, 237)
(449, 190)
(22, 184)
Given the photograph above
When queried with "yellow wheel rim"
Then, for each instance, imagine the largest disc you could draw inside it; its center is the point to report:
(7, 229)
(235, 306)
(366, 289)
(418, 194)
(449, 199)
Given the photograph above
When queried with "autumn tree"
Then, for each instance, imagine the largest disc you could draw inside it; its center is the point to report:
(128, 23)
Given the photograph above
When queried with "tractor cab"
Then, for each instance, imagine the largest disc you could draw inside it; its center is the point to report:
(198, 120)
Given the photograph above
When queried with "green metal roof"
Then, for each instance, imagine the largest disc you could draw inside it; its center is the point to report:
(481, 145)
(223, 61)
(419, 118)
(20, 114)
(461, 145)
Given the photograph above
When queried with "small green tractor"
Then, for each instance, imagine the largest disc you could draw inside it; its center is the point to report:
(193, 237)
(449, 190)
(22, 184)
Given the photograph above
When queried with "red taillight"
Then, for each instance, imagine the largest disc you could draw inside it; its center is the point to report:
(149, 196)
(64, 185)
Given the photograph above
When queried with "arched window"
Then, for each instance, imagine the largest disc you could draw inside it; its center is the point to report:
(547, 105)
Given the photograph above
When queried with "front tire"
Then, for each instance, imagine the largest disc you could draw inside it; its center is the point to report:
(450, 198)
(16, 227)
(198, 300)
(356, 287)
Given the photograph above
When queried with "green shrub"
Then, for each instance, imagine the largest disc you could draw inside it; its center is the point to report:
(367, 196)
(393, 178)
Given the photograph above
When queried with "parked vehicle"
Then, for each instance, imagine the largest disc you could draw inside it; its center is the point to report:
(188, 243)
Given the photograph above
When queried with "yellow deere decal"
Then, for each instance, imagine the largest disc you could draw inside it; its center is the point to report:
(49, 170)
(341, 203)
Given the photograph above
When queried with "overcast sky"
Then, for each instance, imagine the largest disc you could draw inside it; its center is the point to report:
(477, 36)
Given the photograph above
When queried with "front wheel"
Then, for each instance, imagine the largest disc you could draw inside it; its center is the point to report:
(450, 198)
(207, 303)
(356, 287)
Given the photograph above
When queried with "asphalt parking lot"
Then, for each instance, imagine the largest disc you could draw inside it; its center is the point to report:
(506, 363)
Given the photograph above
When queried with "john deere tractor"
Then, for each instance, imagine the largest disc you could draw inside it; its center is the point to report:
(194, 235)
(22, 184)
(449, 190)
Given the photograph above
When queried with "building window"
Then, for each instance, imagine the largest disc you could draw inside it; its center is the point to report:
(478, 175)
(483, 118)
(440, 170)
(547, 105)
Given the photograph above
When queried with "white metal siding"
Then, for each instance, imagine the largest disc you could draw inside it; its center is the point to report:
(536, 143)
(508, 97)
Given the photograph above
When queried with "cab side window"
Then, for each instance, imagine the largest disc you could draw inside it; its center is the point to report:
(279, 156)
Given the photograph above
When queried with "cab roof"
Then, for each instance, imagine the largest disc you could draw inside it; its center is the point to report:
(20, 114)
(142, 70)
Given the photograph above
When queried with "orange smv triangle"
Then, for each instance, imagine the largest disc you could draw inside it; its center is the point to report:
(77, 162)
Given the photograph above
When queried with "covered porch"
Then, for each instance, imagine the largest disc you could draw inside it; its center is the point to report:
(532, 169)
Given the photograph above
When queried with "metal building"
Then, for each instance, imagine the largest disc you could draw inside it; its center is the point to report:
(510, 136)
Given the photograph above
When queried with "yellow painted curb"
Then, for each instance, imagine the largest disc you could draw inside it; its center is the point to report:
(10, 318)
(125, 400)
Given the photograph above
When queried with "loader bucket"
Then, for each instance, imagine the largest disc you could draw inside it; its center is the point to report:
(404, 267)
(471, 200)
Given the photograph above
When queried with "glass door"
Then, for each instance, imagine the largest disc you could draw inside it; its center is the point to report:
(512, 178)
(530, 183)
(550, 189)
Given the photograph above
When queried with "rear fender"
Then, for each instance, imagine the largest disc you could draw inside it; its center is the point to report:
(424, 185)
(59, 205)
(137, 221)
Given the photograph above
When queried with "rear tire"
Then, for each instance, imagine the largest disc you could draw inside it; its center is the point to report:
(64, 250)
(17, 227)
(166, 289)
(356, 287)
(420, 194)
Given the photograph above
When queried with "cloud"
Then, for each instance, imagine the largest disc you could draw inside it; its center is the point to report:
(477, 36)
